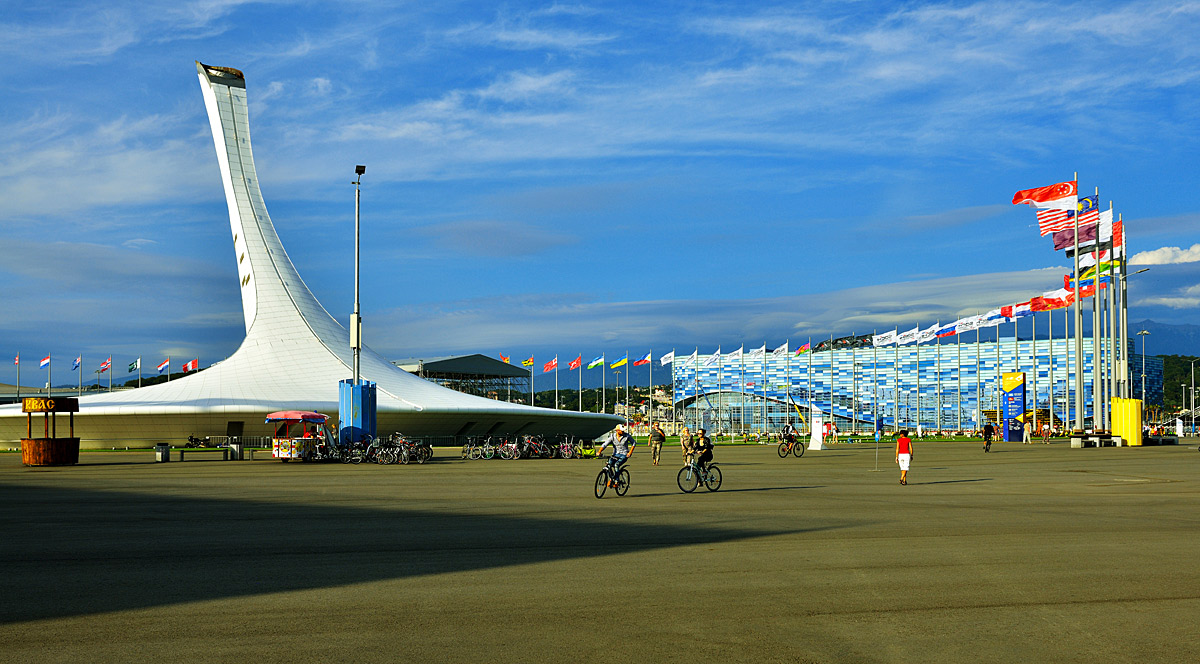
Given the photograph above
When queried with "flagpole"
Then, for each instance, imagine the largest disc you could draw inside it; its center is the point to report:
(917, 373)
(1078, 424)
(1124, 333)
(49, 378)
(1097, 407)
(808, 382)
(1112, 314)
(531, 380)
(1033, 369)
(1050, 338)
(650, 393)
(80, 374)
(958, 380)
(832, 382)
(556, 382)
(896, 383)
(628, 369)
(603, 388)
(875, 385)
(110, 373)
(18, 363)
(937, 422)
(853, 387)
(787, 372)
(139, 371)
(581, 382)
(978, 384)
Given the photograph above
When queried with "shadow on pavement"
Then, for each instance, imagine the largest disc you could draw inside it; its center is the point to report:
(72, 552)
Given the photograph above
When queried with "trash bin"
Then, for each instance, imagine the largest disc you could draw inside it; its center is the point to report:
(162, 452)
(235, 451)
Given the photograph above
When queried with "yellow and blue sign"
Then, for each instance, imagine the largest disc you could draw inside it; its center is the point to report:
(1013, 395)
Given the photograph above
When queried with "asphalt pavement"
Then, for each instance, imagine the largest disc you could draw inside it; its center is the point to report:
(1029, 553)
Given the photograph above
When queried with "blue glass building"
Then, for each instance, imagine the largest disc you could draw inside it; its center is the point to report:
(941, 386)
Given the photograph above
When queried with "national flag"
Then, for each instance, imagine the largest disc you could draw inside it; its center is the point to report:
(551, 365)
(947, 330)
(781, 351)
(804, 349)
(714, 358)
(1059, 195)
(908, 337)
(598, 362)
(17, 359)
(886, 339)
(1088, 210)
(45, 362)
(1105, 266)
(191, 366)
(1051, 300)
(669, 358)
(78, 361)
(1015, 311)
(527, 363)
(1065, 239)
(135, 365)
(106, 365)
(505, 359)
(621, 362)
(165, 365)
(645, 359)
(575, 363)
(1084, 284)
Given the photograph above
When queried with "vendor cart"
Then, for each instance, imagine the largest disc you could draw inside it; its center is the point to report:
(298, 434)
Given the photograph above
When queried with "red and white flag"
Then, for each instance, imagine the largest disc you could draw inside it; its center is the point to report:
(191, 366)
(106, 365)
(551, 365)
(1059, 196)
(575, 363)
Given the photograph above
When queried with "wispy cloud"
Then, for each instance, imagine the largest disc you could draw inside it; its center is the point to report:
(493, 238)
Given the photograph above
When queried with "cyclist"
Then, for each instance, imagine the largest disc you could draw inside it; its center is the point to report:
(703, 446)
(789, 432)
(622, 444)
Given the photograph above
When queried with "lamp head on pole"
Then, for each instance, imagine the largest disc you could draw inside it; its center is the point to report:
(360, 169)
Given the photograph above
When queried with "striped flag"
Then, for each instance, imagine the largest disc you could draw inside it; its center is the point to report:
(106, 365)
(645, 359)
(191, 366)
(78, 361)
(165, 365)
(598, 362)
(45, 362)
(621, 362)
(17, 359)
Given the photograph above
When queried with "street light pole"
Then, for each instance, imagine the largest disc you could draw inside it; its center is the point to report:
(1193, 409)
(1143, 335)
(355, 319)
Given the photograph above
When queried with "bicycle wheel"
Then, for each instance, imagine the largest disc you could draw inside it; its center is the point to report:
(688, 479)
(783, 450)
(601, 484)
(798, 449)
(476, 453)
(623, 482)
(713, 481)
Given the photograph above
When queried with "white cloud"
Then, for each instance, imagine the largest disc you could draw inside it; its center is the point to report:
(1167, 256)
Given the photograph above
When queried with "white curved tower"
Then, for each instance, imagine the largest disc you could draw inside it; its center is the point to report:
(294, 352)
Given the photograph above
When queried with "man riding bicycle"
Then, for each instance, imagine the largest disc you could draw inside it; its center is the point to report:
(622, 444)
(789, 432)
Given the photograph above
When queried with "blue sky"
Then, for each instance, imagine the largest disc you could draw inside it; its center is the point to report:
(570, 178)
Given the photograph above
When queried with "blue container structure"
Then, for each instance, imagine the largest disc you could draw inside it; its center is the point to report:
(356, 411)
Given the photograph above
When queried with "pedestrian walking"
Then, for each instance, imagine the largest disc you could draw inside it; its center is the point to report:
(1027, 433)
(685, 442)
(1046, 433)
(657, 438)
(904, 454)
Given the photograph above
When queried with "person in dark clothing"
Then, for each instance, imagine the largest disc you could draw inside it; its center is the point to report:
(703, 446)
(657, 438)
(989, 432)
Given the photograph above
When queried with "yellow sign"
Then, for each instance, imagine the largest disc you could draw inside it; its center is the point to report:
(1012, 380)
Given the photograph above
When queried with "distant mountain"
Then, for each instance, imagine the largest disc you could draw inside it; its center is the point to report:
(1166, 338)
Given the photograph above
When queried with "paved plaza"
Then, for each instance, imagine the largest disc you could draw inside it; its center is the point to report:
(1030, 553)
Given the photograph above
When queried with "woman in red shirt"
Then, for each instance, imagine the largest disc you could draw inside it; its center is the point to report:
(904, 454)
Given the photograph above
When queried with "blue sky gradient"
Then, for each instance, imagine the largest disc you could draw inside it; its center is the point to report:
(562, 178)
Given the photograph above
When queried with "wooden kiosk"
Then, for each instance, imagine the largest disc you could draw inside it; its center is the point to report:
(49, 450)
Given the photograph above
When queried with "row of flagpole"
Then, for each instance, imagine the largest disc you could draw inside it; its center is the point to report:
(105, 367)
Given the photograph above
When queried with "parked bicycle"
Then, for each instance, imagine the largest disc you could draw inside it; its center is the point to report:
(692, 476)
(618, 480)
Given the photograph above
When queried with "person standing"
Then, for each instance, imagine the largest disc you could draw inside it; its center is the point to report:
(904, 455)
(1027, 433)
(1046, 432)
(657, 438)
(685, 442)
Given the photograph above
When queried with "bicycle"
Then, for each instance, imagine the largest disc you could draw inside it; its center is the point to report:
(692, 475)
(791, 445)
(619, 481)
